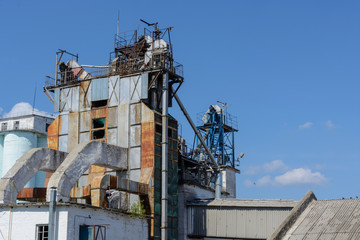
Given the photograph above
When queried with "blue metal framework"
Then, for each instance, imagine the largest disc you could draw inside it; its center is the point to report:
(218, 133)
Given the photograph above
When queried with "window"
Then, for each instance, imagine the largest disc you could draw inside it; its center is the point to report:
(16, 125)
(42, 232)
(47, 127)
(97, 104)
(94, 232)
(98, 128)
(4, 126)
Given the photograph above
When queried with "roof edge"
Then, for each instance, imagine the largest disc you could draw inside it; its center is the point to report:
(293, 216)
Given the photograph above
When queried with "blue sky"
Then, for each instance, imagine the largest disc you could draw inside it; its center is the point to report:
(288, 69)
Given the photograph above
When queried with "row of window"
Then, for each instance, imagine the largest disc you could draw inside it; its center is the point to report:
(4, 126)
(93, 232)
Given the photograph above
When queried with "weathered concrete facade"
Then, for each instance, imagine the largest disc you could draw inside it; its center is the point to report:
(27, 220)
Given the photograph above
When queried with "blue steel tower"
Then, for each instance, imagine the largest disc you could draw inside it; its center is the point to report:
(218, 133)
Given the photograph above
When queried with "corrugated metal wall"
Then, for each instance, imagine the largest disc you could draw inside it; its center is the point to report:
(231, 222)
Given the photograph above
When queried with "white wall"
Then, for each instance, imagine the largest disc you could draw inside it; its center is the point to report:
(70, 218)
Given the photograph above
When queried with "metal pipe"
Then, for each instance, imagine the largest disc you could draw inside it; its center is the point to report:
(218, 178)
(218, 185)
(94, 66)
(194, 128)
(56, 69)
(164, 168)
(52, 209)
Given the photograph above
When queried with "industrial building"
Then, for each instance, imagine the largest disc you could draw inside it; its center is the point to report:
(116, 167)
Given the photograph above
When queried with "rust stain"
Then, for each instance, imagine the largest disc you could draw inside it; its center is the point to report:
(84, 88)
(32, 193)
(113, 182)
(99, 113)
(47, 178)
(95, 197)
(148, 144)
(73, 139)
(80, 192)
(95, 171)
(53, 134)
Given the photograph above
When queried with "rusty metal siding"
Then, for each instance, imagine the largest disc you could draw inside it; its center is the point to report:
(234, 222)
(99, 89)
(73, 139)
(53, 134)
(85, 95)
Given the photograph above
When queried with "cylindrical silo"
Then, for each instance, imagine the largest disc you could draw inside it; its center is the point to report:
(1, 153)
(15, 145)
(40, 176)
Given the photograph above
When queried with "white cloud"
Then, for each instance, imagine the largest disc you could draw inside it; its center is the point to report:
(300, 176)
(24, 108)
(275, 166)
(294, 177)
(330, 125)
(306, 125)
(264, 181)
(1, 109)
(252, 170)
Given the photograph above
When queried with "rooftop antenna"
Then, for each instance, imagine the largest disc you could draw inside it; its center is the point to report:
(34, 100)
(118, 21)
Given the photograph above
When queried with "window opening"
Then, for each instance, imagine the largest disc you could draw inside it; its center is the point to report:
(16, 125)
(98, 128)
(42, 232)
(3, 126)
(100, 103)
(47, 127)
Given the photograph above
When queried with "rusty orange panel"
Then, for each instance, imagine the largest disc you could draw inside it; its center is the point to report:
(53, 129)
(80, 192)
(99, 113)
(95, 197)
(98, 197)
(147, 144)
(84, 88)
(74, 130)
(47, 178)
(95, 171)
(146, 174)
(113, 182)
(53, 134)
(27, 193)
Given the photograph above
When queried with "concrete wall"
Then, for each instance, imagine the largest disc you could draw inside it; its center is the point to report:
(24, 219)
(186, 193)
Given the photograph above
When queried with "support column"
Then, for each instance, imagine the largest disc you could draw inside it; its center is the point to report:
(164, 165)
(52, 210)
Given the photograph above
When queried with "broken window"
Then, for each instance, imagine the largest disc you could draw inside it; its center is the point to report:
(42, 232)
(98, 128)
(94, 232)
(47, 127)
(16, 125)
(4, 126)
(97, 104)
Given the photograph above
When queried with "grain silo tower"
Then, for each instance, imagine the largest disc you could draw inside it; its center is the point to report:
(18, 134)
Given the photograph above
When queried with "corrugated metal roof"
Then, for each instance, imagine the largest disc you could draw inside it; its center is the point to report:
(328, 219)
(232, 202)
